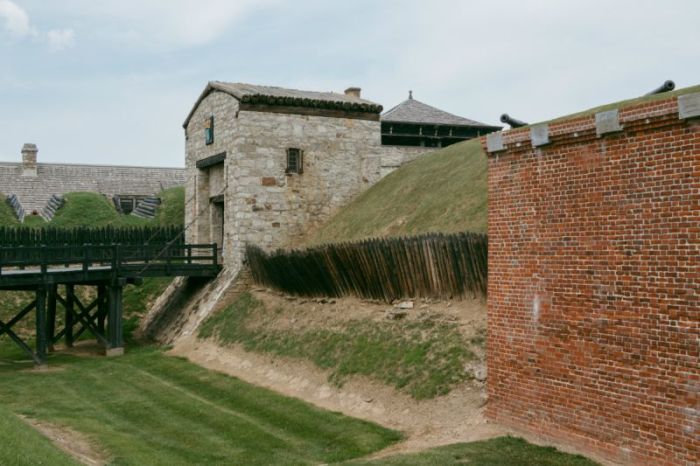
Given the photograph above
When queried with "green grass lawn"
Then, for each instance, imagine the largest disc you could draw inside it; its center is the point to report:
(147, 408)
(423, 358)
(444, 191)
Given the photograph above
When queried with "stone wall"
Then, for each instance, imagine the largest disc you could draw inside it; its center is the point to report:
(395, 156)
(199, 211)
(594, 268)
(35, 191)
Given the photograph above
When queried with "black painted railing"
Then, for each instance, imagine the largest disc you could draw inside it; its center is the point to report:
(116, 257)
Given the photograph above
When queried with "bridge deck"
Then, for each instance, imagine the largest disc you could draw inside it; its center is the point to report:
(107, 267)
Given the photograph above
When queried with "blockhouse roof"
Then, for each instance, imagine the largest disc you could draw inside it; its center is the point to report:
(279, 96)
(416, 112)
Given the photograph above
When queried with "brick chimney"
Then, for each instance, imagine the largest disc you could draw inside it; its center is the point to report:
(353, 92)
(29, 152)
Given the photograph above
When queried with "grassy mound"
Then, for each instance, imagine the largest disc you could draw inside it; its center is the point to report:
(172, 207)
(7, 217)
(91, 209)
(444, 192)
(422, 358)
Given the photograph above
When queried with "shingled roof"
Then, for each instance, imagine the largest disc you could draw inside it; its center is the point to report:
(416, 112)
(271, 95)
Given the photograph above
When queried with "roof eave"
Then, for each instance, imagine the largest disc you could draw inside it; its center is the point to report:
(477, 125)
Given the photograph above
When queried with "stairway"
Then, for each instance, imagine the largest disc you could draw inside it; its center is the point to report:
(16, 206)
(54, 203)
(146, 208)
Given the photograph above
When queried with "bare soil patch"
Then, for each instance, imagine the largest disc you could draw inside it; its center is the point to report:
(73, 443)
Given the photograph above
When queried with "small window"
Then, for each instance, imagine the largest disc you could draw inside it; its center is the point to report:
(209, 130)
(295, 161)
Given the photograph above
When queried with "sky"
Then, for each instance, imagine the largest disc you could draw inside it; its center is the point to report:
(111, 81)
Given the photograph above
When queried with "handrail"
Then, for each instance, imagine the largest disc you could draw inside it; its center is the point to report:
(114, 256)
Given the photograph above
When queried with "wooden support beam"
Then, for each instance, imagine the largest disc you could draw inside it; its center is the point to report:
(51, 315)
(101, 308)
(88, 321)
(40, 356)
(69, 307)
(116, 328)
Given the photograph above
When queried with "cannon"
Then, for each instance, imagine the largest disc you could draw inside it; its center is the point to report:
(505, 118)
(667, 86)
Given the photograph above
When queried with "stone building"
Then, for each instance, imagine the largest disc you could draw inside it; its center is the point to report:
(266, 164)
(33, 184)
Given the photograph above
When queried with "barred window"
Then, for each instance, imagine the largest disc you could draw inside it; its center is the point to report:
(295, 161)
(209, 130)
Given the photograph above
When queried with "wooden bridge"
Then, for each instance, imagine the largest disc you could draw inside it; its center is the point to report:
(53, 272)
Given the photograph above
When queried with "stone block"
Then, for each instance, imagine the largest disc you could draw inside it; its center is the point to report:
(494, 142)
(607, 122)
(114, 352)
(689, 105)
(539, 135)
(269, 181)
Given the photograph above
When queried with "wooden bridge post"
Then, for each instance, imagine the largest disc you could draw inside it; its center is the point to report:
(41, 340)
(116, 328)
(51, 315)
(70, 303)
(101, 307)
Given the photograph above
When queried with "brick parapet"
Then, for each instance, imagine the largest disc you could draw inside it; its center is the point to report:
(594, 268)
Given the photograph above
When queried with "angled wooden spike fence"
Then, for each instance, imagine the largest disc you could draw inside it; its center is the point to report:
(435, 265)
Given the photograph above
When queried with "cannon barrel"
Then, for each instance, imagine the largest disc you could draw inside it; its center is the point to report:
(667, 86)
(505, 118)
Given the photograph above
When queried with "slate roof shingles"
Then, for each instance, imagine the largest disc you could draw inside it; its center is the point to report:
(414, 111)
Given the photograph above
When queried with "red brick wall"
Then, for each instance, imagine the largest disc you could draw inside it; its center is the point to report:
(594, 285)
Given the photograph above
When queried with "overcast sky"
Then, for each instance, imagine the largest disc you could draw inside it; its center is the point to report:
(111, 81)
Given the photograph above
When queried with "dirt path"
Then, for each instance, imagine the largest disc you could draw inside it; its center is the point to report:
(456, 417)
(73, 443)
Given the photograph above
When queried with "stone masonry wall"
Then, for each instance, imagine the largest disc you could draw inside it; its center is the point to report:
(199, 190)
(341, 159)
(395, 156)
(34, 192)
(594, 281)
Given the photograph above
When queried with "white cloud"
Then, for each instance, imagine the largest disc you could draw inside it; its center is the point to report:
(60, 39)
(16, 19)
(168, 23)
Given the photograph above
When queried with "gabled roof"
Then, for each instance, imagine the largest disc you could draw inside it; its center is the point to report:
(414, 111)
(279, 96)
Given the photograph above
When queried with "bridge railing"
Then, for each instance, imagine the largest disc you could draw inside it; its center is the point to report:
(114, 256)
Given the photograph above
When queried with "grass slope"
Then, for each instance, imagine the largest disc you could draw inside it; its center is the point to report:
(444, 191)
(172, 207)
(22, 445)
(146, 408)
(422, 358)
(7, 217)
(500, 451)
